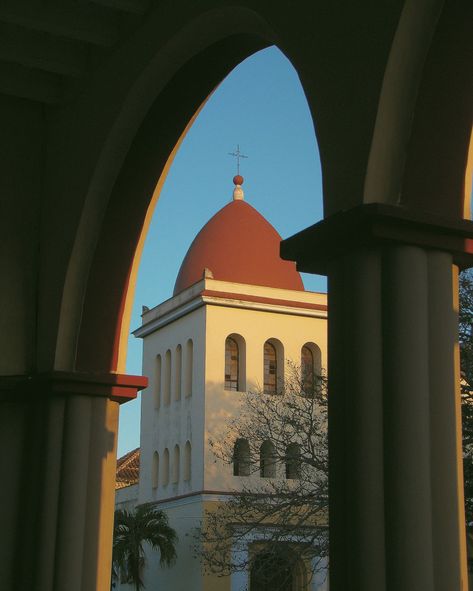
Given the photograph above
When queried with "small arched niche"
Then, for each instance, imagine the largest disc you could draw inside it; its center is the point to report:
(273, 366)
(235, 363)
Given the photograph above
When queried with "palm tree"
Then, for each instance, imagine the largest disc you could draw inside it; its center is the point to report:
(131, 530)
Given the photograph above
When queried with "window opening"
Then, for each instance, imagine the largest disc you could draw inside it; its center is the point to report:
(232, 365)
(270, 368)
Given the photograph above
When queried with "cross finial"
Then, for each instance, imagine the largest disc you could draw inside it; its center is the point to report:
(237, 154)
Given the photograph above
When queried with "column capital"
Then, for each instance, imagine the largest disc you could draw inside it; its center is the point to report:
(117, 387)
(377, 224)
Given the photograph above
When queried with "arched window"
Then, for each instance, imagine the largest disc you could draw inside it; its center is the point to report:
(157, 383)
(270, 368)
(165, 466)
(272, 571)
(167, 377)
(241, 458)
(155, 470)
(178, 373)
(307, 370)
(189, 367)
(232, 365)
(267, 460)
(311, 367)
(293, 461)
(187, 460)
(176, 464)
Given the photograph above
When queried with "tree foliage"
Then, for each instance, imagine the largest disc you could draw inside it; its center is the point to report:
(131, 530)
(466, 364)
(284, 484)
(291, 509)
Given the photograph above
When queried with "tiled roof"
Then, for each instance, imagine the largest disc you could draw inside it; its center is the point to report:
(128, 469)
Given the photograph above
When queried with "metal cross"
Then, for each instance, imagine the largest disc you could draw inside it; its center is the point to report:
(237, 155)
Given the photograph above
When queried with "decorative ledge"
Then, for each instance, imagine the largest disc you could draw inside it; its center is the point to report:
(118, 387)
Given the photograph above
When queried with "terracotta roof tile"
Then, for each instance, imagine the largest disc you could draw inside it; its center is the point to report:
(128, 469)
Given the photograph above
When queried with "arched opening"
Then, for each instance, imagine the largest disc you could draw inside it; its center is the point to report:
(190, 355)
(187, 461)
(273, 366)
(270, 368)
(307, 370)
(241, 458)
(100, 352)
(176, 464)
(232, 365)
(155, 470)
(273, 80)
(267, 460)
(311, 367)
(235, 363)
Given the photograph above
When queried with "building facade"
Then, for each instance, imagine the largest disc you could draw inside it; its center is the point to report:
(239, 314)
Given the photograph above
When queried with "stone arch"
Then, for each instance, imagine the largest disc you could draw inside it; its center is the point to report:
(78, 325)
(208, 47)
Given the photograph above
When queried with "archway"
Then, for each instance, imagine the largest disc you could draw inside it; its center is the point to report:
(282, 181)
(57, 315)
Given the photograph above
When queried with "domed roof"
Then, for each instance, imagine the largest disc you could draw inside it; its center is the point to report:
(239, 245)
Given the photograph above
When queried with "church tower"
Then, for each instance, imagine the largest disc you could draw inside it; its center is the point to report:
(237, 315)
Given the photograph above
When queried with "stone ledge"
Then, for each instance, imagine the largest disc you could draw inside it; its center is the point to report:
(377, 224)
(118, 387)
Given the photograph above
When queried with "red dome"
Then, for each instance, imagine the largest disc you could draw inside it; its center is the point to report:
(238, 245)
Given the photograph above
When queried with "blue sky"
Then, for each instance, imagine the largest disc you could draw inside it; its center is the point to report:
(262, 107)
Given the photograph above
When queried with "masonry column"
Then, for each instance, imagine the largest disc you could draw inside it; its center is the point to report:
(67, 447)
(396, 482)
